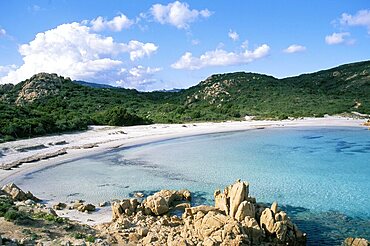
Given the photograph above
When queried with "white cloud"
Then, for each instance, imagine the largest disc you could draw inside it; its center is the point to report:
(4, 70)
(138, 77)
(245, 44)
(2, 32)
(233, 35)
(294, 48)
(361, 18)
(138, 50)
(220, 57)
(177, 14)
(336, 38)
(73, 50)
(116, 24)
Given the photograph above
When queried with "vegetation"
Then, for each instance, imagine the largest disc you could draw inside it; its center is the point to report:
(48, 217)
(47, 103)
(10, 212)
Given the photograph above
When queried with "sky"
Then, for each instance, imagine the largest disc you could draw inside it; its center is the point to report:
(153, 45)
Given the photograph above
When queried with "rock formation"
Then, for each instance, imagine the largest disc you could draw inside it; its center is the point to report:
(236, 219)
(17, 194)
(355, 242)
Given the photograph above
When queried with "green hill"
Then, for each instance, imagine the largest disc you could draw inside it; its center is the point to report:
(48, 103)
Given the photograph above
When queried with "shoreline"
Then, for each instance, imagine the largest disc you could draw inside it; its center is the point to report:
(101, 139)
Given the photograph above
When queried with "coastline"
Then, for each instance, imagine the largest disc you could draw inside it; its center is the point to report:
(102, 139)
(59, 149)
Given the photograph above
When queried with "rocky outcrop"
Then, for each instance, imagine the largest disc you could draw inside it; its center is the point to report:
(236, 219)
(33, 158)
(18, 194)
(158, 204)
(355, 242)
(40, 85)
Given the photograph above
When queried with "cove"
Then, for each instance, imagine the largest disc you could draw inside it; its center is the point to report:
(320, 176)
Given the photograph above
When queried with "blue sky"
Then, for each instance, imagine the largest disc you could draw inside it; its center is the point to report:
(150, 45)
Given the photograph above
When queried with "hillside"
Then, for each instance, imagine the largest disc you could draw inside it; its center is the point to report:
(48, 103)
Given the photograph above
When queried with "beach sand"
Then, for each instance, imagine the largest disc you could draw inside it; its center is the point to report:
(99, 139)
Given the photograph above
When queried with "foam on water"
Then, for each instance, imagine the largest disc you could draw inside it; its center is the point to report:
(320, 175)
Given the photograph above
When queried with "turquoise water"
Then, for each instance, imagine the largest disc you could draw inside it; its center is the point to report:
(321, 176)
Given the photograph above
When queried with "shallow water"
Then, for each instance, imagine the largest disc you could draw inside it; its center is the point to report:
(321, 176)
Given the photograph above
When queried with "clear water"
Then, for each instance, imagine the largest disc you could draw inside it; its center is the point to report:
(321, 176)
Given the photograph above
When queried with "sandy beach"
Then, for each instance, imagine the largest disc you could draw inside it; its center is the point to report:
(26, 154)
(60, 148)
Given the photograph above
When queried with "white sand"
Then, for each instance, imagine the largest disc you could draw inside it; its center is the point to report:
(106, 138)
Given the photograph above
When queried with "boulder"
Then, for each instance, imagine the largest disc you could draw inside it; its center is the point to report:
(355, 242)
(76, 204)
(14, 192)
(157, 204)
(238, 193)
(245, 209)
(281, 216)
(252, 228)
(221, 201)
(280, 229)
(267, 220)
(274, 207)
(86, 208)
(161, 202)
(184, 195)
(117, 211)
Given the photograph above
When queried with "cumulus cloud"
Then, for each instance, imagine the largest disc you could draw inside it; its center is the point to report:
(337, 38)
(233, 35)
(2, 32)
(361, 18)
(220, 57)
(294, 48)
(116, 24)
(177, 14)
(138, 49)
(138, 77)
(73, 50)
(4, 70)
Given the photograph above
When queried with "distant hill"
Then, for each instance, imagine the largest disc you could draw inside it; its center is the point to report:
(342, 89)
(170, 90)
(93, 85)
(48, 103)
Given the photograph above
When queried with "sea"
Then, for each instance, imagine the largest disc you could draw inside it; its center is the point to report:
(319, 175)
